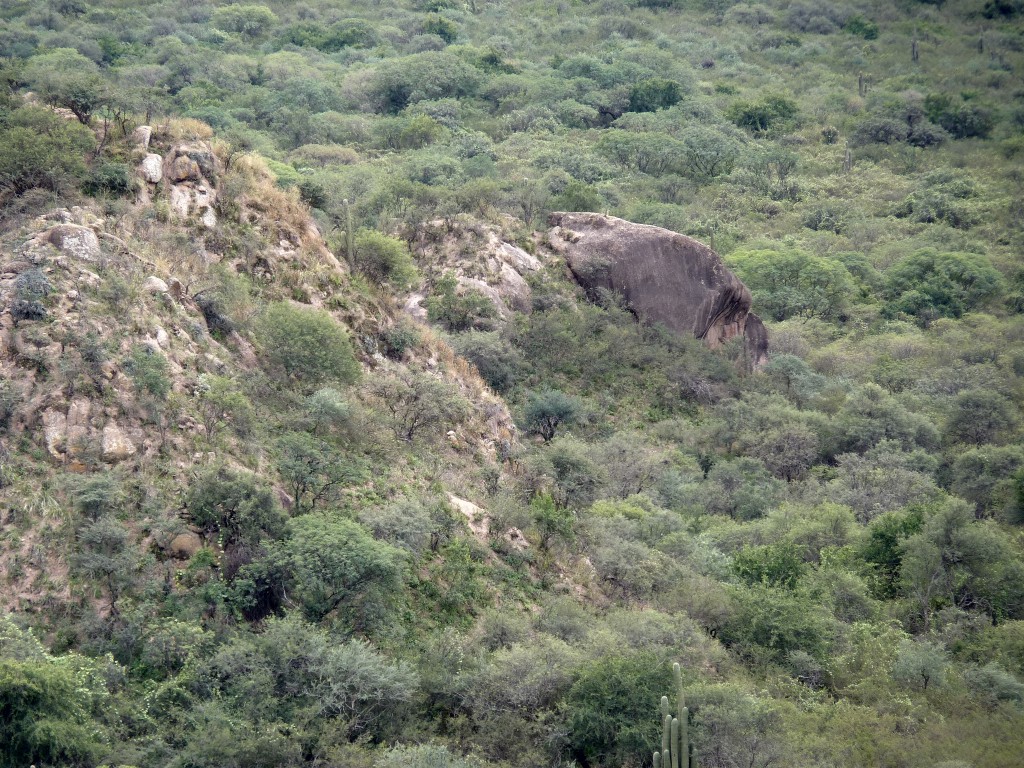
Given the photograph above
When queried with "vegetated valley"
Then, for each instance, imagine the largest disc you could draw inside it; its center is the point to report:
(360, 407)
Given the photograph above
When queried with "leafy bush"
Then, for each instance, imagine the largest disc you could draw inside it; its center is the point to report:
(383, 259)
(930, 284)
(456, 311)
(549, 409)
(110, 178)
(306, 346)
(612, 709)
(39, 150)
(500, 364)
(653, 94)
(793, 283)
(768, 114)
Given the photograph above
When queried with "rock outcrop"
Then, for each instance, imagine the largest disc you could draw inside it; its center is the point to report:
(665, 278)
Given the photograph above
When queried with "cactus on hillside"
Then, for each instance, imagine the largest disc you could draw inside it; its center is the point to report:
(676, 749)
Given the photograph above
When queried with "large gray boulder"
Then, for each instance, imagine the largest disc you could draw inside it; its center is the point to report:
(666, 278)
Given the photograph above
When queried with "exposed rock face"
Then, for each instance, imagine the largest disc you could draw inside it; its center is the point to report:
(73, 240)
(190, 172)
(481, 261)
(116, 445)
(664, 277)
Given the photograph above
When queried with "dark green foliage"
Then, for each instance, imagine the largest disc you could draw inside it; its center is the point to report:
(500, 364)
(775, 565)
(767, 114)
(861, 27)
(772, 623)
(45, 716)
(930, 284)
(337, 566)
(306, 346)
(65, 78)
(110, 178)
(383, 259)
(1007, 9)
(429, 75)
(31, 287)
(548, 410)
(653, 94)
(435, 24)
(400, 338)
(39, 150)
(235, 506)
(312, 470)
(609, 710)
(979, 417)
(149, 371)
(883, 549)
(962, 120)
(455, 311)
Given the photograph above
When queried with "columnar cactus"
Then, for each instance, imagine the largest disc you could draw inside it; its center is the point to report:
(676, 750)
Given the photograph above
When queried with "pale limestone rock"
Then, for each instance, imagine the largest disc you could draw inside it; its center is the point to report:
(142, 135)
(73, 240)
(78, 425)
(162, 339)
(55, 432)
(518, 258)
(180, 201)
(116, 445)
(152, 168)
(154, 284)
(475, 516)
(209, 218)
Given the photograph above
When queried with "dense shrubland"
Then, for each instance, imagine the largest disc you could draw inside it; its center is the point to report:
(831, 547)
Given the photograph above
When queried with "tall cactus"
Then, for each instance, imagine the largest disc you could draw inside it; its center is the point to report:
(676, 750)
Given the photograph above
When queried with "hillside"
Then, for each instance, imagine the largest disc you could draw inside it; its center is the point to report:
(415, 384)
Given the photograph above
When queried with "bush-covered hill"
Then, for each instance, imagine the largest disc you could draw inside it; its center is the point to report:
(263, 501)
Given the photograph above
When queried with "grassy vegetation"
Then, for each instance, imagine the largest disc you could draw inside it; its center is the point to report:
(289, 571)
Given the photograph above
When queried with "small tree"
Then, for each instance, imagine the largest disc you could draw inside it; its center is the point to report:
(66, 78)
(383, 259)
(417, 402)
(549, 409)
(456, 311)
(920, 663)
(312, 470)
(306, 345)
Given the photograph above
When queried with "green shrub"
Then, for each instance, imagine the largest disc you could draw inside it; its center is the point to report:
(456, 311)
(609, 710)
(110, 178)
(383, 259)
(653, 94)
(306, 346)
(39, 150)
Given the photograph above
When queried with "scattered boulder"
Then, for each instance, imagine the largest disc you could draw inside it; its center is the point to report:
(475, 516)
(664, 277)
(142, 135)
(116, 445)
(152, 168)
(154, 284)
(184, 545)
(73, 240)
